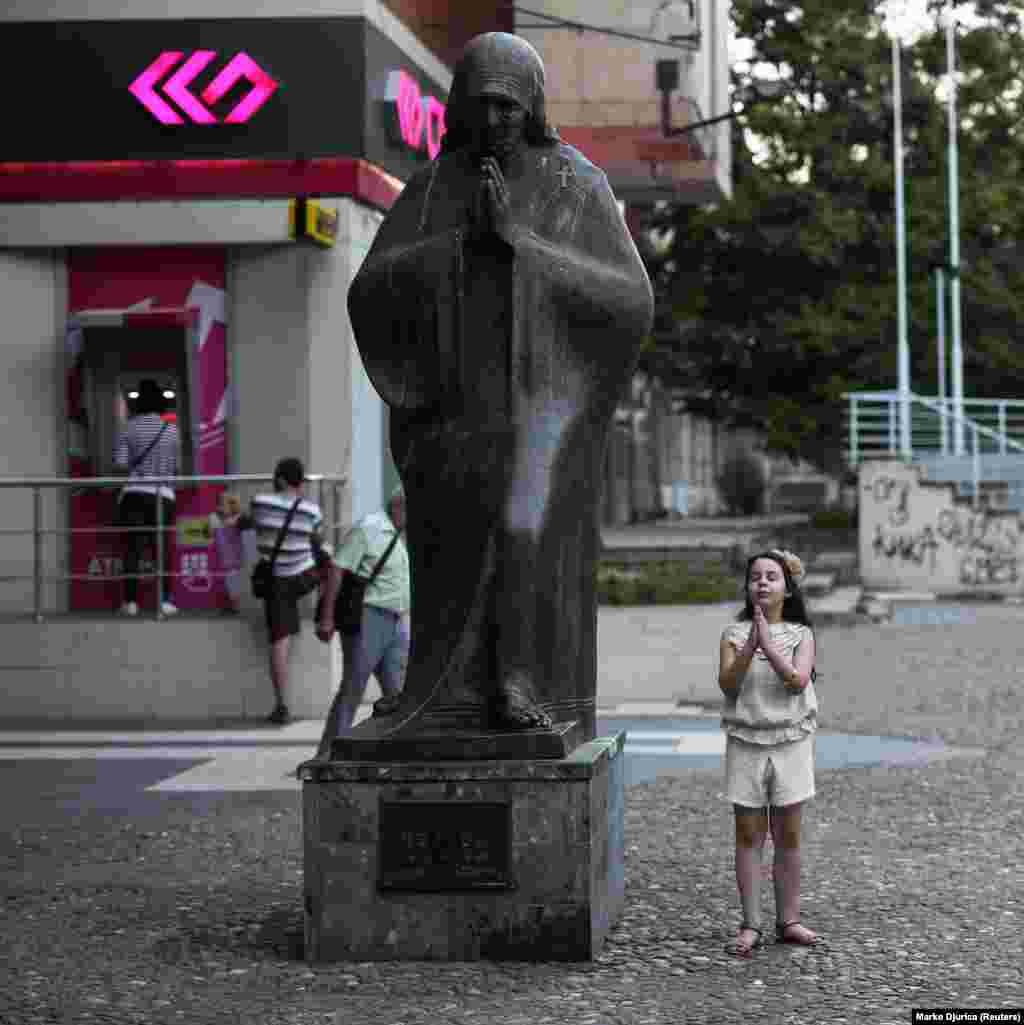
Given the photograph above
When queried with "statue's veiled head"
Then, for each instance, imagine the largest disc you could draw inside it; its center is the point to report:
(502, 73)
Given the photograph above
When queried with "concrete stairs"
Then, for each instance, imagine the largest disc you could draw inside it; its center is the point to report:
(832, 586)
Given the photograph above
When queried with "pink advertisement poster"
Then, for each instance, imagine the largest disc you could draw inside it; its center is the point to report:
(138, 288)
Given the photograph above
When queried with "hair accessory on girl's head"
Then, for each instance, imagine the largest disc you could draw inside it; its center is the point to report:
(792, 563)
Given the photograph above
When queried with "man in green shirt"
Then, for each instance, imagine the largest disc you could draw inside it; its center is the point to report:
(381, 647)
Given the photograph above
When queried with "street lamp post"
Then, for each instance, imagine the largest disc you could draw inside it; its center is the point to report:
(957, 355)
(903, 346)
(940, 330)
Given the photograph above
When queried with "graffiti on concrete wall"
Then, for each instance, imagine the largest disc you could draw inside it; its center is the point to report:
(986, 545)
(916, 547)
(896, 495)
(894, 537)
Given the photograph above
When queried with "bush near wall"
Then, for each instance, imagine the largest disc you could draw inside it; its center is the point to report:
(834, 519)
(663, 583)
(741, 484)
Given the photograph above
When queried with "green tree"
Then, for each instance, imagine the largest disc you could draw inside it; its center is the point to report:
(773, 304)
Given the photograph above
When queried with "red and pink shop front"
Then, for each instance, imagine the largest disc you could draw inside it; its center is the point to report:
(197, 220)
(157, 313)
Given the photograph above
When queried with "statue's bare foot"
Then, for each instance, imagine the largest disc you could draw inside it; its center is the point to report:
(389, 704)
(531, 718)
(318, 760)
(512, 710)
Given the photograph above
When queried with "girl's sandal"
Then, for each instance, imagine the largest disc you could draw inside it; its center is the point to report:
(782, 935)
(738, 949)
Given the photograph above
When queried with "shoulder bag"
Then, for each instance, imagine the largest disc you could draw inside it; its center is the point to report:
(348, 606)
(263, 571)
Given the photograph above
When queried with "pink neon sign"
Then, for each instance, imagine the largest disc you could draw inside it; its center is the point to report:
(144, 88)
(420, 118)
(241, 66)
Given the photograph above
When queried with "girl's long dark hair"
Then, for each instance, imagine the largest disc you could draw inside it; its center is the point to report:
(794, 608)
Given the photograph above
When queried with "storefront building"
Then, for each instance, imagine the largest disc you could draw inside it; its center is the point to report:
(187, 199)
(627, 93)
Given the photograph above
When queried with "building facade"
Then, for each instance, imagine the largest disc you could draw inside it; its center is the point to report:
(624, 83)
(188, 202)
(189, 199)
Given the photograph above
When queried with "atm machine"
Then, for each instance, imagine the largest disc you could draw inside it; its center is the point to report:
(110, 352)
(113, 359)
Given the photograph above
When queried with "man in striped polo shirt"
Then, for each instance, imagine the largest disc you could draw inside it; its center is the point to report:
(299, 567)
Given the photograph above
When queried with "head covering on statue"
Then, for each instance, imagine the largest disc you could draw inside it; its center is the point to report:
(497, 64)
(499, 313)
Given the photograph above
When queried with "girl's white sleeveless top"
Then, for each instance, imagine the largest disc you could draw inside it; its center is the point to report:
(763, 711)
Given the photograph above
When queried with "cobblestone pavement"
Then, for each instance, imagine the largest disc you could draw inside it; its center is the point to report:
(914, 876)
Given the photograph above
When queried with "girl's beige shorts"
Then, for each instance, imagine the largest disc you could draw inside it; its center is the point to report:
(757, 775)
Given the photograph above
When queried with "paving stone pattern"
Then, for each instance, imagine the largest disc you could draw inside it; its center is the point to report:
(914, 876)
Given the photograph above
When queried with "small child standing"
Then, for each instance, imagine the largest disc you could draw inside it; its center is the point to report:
(227, 526)
(766, 673)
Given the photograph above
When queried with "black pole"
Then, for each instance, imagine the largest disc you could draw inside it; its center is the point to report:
(704, 124)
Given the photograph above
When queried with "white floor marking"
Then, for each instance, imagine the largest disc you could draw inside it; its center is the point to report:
(307, 730)
(699, 744)
(274, 769)
(239, 770)
(640, 709)
(68, 754)
(265, 767)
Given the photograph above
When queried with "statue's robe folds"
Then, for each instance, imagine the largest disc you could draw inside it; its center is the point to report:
(502, 359)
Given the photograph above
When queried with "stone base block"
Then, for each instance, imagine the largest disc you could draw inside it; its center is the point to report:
(465, 861)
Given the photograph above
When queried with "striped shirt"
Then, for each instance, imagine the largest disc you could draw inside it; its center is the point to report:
(301, 543)
(161, 460)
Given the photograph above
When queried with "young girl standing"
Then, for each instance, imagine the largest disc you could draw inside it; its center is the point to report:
(766, 673)
(227, 524)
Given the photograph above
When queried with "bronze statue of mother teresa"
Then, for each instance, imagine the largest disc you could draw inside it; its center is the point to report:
(499, 313)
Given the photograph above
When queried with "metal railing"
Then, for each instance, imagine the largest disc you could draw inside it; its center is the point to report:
(872, 425)
(962, 449)
(318, 487)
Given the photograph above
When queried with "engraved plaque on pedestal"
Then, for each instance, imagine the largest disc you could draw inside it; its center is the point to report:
(435, 847)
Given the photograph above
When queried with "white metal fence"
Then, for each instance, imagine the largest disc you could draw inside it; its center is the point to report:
(48, 500)
(982, 451)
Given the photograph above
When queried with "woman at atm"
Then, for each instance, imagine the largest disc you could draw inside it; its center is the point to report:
(147, 446)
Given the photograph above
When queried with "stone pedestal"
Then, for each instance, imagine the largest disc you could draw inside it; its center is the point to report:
(374, 740)
(464, 861)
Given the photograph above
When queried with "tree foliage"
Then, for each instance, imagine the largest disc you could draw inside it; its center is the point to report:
(775, 303)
